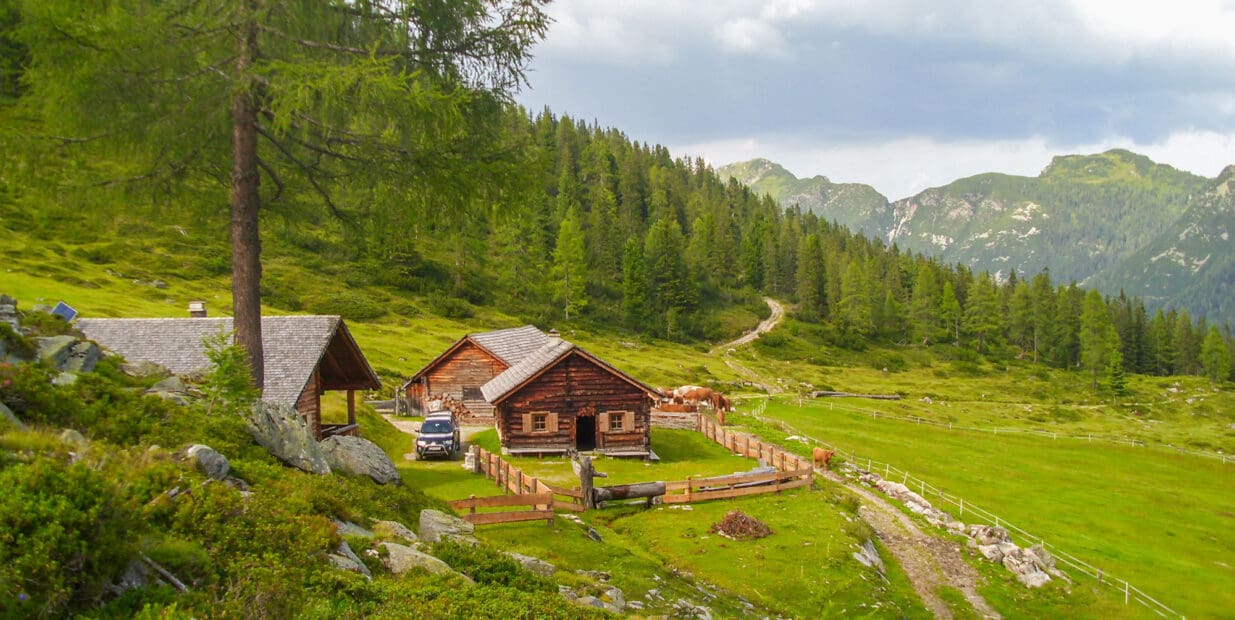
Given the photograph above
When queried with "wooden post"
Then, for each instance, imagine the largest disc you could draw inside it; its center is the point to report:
(351, 406)
(472, 508)
(476, 458)
(586, 472)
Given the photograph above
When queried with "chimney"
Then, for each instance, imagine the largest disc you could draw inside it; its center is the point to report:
(554, 337)
(197, 309)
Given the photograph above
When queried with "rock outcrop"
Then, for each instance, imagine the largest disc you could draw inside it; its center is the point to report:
(436, 526)
(359, 457)
(68, 353)
(283, 433)
(394, 530)
(401, 559)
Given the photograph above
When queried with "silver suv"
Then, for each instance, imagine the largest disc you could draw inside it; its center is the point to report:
(439, 436)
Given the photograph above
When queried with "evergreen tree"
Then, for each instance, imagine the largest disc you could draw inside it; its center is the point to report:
(1163, 360)
(1066, 342)
(308, 98)
(853, 311)
(634, 285)
(1098, 338)
(1021, 317)
(670, 292)
(1043, 293)
(570, 265)
(811, 289)
(982, 314)
(1115, 373)
(924, 305)
(1215, 356)
(1185, 343)
(950, 312)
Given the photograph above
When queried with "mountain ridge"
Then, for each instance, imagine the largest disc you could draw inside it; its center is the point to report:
(1104, 219)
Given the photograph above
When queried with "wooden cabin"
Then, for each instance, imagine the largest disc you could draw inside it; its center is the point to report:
(461, 370)
(305, 357)
(562, 398)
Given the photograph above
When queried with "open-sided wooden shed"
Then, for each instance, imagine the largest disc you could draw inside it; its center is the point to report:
(472, 361)
(562, 398)
(305, 357)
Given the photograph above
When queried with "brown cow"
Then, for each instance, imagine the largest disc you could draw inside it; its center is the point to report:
(821, 457)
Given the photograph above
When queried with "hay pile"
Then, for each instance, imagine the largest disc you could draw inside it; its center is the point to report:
(740, 526)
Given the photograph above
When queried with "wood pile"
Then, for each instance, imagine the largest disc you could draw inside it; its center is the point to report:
(740, 526)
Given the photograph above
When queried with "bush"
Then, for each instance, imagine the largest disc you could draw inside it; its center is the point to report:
(450, 307)
(490, 567)
(64, 533)
(16, 344)
(892, 362)
(350, 305)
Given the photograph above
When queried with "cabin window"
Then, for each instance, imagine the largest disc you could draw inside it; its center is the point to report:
(617, 422)
(472, 393)
(540, 422)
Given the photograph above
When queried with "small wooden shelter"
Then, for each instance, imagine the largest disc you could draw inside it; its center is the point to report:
(472, 361)
(562, 398)
(305, 357)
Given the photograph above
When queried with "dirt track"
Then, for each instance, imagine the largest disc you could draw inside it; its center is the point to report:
(765, 326)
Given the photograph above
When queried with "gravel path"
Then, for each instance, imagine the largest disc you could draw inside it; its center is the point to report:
(929, 561)
(765, 326)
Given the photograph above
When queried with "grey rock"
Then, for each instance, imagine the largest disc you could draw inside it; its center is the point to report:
(8, 417)
(73, 438)
(590, 601)
(83, 357)
(144, 369)
(635, 605)
(868, 555)
(988, 534)
(535, 565)
(616, 597)
(401, 559)
(593, 534)
(436, 526)
(8, 311)
(1041, 557)
(173, 385)
(394, 529)
(283, 433)
(347, 528)
(55, 350)
(64, 379)
(208, 461)
(348, 560)
(991, 552)
(136, 575)
(359, 457)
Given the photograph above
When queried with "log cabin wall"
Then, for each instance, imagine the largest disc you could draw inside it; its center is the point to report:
(576, 385)
(310, 402)
(460, 376)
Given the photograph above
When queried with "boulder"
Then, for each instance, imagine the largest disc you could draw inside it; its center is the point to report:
(535, 565)
(401, 559)
(8, 311)
(991, 552)
(345, 559)
(615, 597)
(55, 350)
(436, 526)
(64, 379)
(987, 534)
(347, 528)
(283, 433)
(73, 438)
(1041, 557)
(359, 457)
(144, 369)
(83, 357)
(208, 461)
(394, 529)
(172, 384)
(868, 556)
(1022, 565)
(7, 417)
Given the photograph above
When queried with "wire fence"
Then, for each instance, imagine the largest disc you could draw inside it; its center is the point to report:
(1009, 430)
(932, 492)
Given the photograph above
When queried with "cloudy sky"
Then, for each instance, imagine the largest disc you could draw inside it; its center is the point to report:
(900, 94)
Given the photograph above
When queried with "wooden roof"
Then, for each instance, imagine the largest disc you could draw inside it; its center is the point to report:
(509, 346)
(514, 378)
(293, 346)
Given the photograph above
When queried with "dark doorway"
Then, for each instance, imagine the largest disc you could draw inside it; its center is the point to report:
(585, 433)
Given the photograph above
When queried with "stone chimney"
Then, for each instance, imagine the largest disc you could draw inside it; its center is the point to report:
(554, 337)
(197, 309)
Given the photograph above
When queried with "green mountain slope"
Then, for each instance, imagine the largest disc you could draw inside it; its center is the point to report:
(853, 205)
(1116, 220)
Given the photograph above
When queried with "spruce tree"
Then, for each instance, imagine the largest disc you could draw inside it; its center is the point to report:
(570, 265)
(634, 285)
(1215, 356)
(1098, 338)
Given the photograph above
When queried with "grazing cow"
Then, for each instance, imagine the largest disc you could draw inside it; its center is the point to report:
(821, 457)
(693, 394)
(720, 404)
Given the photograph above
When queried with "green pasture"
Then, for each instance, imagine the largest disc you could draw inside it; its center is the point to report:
(1159, 519)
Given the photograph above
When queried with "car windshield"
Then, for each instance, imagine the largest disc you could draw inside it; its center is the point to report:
(436, 427)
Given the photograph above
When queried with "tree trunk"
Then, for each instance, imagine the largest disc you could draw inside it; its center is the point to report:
(246, 239)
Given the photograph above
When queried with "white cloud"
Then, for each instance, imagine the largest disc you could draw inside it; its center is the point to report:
(751, 36)
(903, 167)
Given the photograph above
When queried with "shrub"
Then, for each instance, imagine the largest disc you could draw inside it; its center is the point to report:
(64, 533)
(350, 305)
(229, 383)
(15, 343)
(450, 307)
(490, 567)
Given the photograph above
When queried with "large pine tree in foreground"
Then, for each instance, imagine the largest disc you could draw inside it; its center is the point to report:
(325, 101)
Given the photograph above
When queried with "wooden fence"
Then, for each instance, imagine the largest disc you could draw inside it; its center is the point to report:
(725, 487)
(751, 446)
(540, 507)
(512, 479)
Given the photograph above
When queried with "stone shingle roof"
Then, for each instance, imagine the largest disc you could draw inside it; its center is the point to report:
(512, 345)
(533, 363)
(292, 346)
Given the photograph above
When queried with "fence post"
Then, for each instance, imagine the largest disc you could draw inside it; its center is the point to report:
(962, 506)
(1125, 593)
(922, 486)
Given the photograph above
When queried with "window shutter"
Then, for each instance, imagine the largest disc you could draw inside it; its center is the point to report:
(602, 421)
(628, 424)
(527, 422)
(551, 422)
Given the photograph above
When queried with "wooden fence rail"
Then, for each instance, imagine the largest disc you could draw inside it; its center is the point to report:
(513, 480)
(540, 507)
